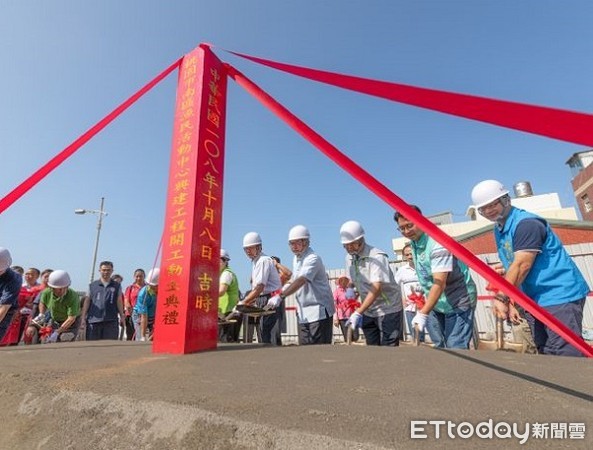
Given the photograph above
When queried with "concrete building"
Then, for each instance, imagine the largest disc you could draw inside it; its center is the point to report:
(582, 181)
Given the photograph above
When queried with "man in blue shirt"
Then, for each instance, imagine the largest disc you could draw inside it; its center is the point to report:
(535, 261)
(10, 287)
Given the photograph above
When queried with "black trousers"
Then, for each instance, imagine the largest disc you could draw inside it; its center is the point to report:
(129, 328)
(315, 333)
(270, 325)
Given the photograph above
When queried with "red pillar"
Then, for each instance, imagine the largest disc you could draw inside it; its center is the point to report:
(187, 305)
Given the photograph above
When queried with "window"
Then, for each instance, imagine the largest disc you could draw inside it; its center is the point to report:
(586, 203)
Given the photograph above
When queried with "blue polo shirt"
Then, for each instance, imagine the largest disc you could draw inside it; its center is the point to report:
(10, 287)
(554, 278)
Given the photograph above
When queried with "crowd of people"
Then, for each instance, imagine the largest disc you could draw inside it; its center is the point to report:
(41, 307)
(433, 292)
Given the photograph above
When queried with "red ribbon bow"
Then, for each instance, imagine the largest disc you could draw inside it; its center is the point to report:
(418, 299)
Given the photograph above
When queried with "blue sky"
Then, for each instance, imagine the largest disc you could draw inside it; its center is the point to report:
(66, 64)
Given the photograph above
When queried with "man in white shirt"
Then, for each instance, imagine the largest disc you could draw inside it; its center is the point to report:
(380, 313)
(310, 285)
(265, 281)
(407, 278)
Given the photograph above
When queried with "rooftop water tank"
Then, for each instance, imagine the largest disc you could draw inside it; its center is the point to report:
(523, 189)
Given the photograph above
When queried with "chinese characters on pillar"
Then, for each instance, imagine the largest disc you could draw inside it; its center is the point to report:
(211, 189)
(188, 293)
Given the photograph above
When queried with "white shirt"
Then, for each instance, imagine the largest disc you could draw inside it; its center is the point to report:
(264, 272)
(314, 299)
(226, 277)
(372, 266)
(407, 279)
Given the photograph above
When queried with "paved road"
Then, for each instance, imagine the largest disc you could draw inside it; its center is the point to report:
(118, 395)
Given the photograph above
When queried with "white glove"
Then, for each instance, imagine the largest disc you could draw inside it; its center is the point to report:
(53, 337)
(273, 302)
(355, 321)
(26, 311)
(420, 320)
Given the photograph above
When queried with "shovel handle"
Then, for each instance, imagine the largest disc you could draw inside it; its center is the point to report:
(349, 332)
(416, 335)
(499, 334)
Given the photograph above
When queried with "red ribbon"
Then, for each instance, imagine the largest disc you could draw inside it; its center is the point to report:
(46, 169)
(351, 304)
(491, 288)
(559, 124)
(418, 299)
(397, 203)
(45, 331)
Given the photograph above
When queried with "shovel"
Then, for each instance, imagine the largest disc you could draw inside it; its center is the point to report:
(499, 334)
(416, 336)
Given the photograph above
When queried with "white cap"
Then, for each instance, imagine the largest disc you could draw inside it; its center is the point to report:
(5, 259)
(224, 254)
(59, 279)
(487, 191)
(152, 278)
(250, 239)
(351, 231)
(298, 232)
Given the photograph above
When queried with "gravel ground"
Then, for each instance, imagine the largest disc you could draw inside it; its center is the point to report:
(119, 395)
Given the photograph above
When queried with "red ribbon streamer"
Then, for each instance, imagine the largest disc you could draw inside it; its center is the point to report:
(351, 304)
(418, 299)
(53, 163)
(397, 203)
(559, 124)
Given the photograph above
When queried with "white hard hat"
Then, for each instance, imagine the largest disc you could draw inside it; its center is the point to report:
(298, 232)
(5, 259)
(152, 278)
(224, 254)
(351, 231)
(486, 192)
(59, 279)
(250, 239)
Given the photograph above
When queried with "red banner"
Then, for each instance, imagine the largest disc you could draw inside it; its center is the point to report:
(48, 167)
(187, 304)
(559, 124)
(397, 203)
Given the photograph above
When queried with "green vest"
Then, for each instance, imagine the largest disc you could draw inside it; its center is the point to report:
(460, 291)
(230, 298)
